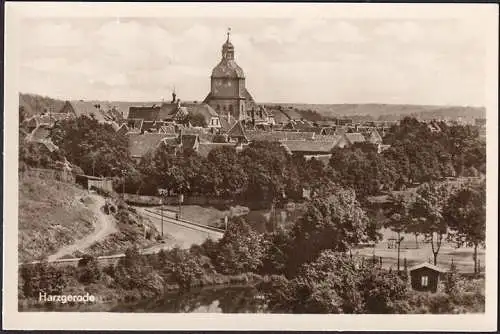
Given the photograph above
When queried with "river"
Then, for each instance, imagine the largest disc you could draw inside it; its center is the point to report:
(221, 299)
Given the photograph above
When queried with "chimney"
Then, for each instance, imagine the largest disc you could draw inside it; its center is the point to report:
(178, 103)
(174, 96)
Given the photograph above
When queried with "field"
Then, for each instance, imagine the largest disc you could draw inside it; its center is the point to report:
(51, 215)
(462, 257)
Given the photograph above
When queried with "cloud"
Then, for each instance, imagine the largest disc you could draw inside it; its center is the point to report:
(404, 31)
(306, 60)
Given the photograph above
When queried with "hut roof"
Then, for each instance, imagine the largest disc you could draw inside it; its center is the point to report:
(427, 265)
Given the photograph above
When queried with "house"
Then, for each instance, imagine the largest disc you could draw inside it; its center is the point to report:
(86, 108)
(205, 148)
(309, 149)
(123, 129)
(141, 144)
(279, 117)
(41, 135)
(374, 137)
(205, 111)
(189, 141)
(355, 137)
(279, 135)
(90, 182)
(425, 277)
(237, 134)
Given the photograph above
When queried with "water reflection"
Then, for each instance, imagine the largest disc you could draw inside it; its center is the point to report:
(235, 299)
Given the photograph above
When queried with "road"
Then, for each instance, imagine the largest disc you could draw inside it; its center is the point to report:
(183, 234)
(104, 226)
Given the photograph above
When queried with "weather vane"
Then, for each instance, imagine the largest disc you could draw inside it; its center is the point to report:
(228, 32)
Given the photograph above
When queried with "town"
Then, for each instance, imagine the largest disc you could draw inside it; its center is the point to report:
(309, 212)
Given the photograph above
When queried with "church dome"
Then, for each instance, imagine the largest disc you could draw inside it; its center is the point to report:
(228, 69)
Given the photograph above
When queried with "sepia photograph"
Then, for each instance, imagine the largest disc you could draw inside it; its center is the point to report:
(270, 160)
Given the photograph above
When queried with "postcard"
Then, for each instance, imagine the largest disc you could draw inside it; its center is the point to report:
(250, 166)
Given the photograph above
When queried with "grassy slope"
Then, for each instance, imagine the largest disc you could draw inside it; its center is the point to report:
(50, 216)
(131, 232)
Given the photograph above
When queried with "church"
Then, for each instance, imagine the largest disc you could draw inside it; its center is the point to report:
(228, 102)
(228, 93)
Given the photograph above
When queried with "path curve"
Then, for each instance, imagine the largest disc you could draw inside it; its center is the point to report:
(104, 226)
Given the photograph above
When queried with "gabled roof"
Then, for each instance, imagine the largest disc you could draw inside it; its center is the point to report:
(279, 135)
(225, 124)
(237, 131)
(149, 113)
(149, 126)
(40, 133)
(87, 108)
(168, 129)
(279, 116)
(205, 148)
(318, 147)
(374, 137)
(247, 95)
(201, 108)
(427, 265)
(140, 144)
(355, 137)
(123, 129)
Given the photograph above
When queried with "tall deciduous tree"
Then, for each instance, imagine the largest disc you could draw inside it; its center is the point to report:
(466, 215)
(429, 207)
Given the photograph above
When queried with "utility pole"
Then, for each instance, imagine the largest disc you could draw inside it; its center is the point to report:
(124, 172)
(181, 199)
(399, 246)
(161, 210)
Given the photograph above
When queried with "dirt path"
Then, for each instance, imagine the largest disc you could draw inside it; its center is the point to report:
(104, 226)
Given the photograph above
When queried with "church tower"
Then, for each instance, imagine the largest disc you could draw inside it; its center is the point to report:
(228, 94)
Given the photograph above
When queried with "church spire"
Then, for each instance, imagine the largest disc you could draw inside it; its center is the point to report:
(228, 48)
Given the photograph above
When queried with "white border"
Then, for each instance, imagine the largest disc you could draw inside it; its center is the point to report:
(486, 15)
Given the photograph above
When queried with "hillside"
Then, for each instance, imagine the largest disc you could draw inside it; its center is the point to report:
(71, 221)
(47, 223)
(389, 111)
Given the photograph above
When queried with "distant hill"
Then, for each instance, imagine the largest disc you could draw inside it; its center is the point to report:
(35, 104)
(389, 111)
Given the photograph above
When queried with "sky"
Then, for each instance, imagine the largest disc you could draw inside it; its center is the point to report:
(299, 60)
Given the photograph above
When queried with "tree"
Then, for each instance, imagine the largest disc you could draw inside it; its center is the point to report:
(88, 270)
(429, 207)
(466, 216)
(399, 218)
(240, 249)
(335, 222)
(93, 146)
(183, 267)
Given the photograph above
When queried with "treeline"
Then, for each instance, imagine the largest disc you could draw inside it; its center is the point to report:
(416, 155)
(264, 171)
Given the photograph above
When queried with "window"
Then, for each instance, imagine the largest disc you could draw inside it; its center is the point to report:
(425, 281)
